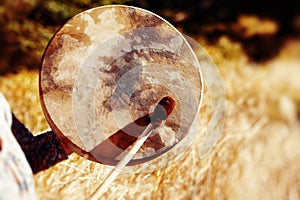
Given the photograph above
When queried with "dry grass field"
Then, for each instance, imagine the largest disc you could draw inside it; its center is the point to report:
(256, 157)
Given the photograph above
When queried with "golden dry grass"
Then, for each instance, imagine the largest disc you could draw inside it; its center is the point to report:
(256, 157)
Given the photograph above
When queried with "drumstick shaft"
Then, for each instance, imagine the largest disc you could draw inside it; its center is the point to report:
(102, 188)
(161, 112)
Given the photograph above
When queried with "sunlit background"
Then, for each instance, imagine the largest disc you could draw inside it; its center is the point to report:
(28, 25)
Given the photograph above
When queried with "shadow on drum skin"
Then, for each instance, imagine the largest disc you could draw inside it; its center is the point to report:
(108, 150)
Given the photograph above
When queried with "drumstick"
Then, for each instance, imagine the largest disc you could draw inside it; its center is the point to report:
(161, 112)
(123, 162)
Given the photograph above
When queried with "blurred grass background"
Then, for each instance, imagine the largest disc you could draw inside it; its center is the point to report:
(256, 46)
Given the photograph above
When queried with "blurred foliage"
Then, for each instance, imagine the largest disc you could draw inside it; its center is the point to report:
(55, 12)
(26, 26)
